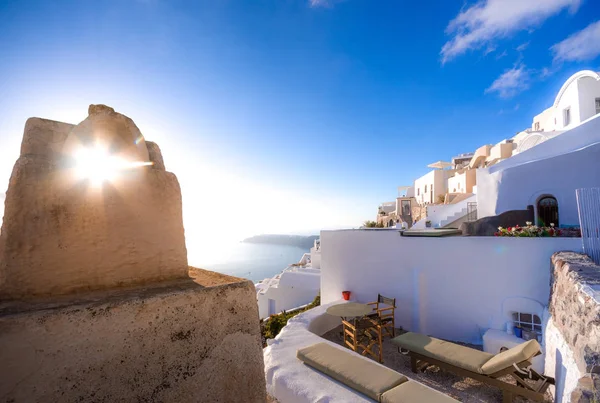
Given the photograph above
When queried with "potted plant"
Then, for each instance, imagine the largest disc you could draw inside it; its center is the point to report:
(346, 295)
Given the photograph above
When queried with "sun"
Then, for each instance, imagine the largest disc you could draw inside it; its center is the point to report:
(97, 165)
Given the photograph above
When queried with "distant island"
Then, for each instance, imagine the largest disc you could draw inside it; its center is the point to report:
(300, 241)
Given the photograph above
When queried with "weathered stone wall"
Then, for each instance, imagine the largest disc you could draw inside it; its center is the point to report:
(572, 337)
(188, 341)
(61, 235)
(97, 302)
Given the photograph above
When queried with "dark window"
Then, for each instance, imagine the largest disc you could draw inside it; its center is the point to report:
(527, 321)
(548, 211)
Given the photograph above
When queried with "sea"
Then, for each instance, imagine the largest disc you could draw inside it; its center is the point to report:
(253, 261)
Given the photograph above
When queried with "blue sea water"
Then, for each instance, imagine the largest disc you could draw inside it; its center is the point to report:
(249, 260)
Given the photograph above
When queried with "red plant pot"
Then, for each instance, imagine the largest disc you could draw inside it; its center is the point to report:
(346, 295)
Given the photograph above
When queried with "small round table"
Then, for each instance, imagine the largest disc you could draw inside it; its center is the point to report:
(349, 310)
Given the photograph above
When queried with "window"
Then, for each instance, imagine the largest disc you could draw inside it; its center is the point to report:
(418, 191)
(536, 127)
(567, 116)
(425, 188)
(597, 106)
(528, 321)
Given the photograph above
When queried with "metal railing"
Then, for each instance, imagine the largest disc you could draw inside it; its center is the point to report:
(588, 206)
(471, 211)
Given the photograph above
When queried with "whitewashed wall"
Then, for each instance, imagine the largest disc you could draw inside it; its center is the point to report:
(285, 298)
(560, 363)
(426, 180)
(450, 287)
(556, 167)
(315, 256)
(569, 99)
(589, 90)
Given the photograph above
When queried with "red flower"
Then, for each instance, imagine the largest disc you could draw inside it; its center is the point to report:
(509, 228)
(496, 234)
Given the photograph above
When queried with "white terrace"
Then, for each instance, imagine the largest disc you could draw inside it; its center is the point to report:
(461, 289)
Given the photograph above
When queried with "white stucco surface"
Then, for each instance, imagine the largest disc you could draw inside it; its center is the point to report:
(288, 379)
(494, 340)
(556, 167)
(560, 364)
(442, 214)
(453, 288)
(435, 182)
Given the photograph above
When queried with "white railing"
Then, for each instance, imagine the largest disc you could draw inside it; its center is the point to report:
(443, 214)
(588, 204)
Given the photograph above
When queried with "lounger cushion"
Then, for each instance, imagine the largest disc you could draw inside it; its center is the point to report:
(413, 392)
(359, 373)
(522, 352)
(451, 353)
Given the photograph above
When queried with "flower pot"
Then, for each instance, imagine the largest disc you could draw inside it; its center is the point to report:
(346, 295)
(518, 332)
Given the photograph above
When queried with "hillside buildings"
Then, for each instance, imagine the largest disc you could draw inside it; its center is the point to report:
(561, 143)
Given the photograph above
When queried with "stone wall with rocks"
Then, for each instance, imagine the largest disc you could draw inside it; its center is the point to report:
(572, 335)
(62, 234)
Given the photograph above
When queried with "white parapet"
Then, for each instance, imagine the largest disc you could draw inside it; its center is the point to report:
(288, 379)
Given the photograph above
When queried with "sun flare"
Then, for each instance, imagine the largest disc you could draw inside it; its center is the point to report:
(98, 165)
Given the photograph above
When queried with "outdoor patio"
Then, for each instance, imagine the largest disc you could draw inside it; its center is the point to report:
(463, 389)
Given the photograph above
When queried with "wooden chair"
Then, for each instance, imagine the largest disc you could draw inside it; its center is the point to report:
(383, 312)
(362, 335)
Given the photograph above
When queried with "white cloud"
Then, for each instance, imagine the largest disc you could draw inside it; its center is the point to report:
(511, 82)
(501, 55)
(323, 3)
(581, 46)
(522, 47)
(487, 20)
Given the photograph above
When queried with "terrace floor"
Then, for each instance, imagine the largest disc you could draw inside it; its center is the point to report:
(466, 390)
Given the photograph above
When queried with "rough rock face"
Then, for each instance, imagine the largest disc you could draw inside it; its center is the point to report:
(195, 340)
(575, 309)
(61, 235)
(104, 125)
(587, 390)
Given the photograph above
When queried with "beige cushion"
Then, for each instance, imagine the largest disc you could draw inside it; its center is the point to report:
(361, 374)
(414, 392)
(523, 352)
(451, 353)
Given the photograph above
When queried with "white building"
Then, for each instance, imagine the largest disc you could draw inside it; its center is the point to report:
(546, 171)
(429, 187)
(297, 285)
(576, 101)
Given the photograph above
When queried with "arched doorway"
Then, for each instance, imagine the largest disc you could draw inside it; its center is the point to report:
(547, 208)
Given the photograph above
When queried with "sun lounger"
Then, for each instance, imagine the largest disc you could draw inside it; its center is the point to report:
(367, 377)
(481, 366)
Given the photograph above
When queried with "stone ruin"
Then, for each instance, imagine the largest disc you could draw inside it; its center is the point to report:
(61, 234)
(97, 302)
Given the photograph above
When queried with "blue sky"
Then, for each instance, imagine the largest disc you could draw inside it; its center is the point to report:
(293, 115)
